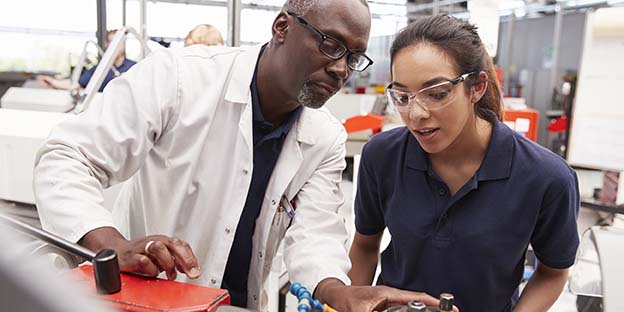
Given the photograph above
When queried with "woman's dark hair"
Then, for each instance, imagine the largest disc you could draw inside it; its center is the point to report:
(460, 41)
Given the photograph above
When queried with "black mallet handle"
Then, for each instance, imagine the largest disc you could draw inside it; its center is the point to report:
(105, 264)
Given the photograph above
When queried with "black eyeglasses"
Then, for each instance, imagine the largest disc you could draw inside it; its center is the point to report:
(335, 49)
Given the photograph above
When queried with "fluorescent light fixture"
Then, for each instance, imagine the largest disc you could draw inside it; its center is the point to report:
(580, 3)
(521, 12)
(511, 4)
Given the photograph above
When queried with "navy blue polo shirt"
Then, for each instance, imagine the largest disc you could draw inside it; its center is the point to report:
(268, 141)
(471, 244)
(87, 74)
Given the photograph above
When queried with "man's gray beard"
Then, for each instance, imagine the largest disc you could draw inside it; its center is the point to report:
(309, 98)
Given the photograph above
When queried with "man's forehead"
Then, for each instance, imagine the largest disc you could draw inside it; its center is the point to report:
(325, 9)
(326, 4)
(346, 20)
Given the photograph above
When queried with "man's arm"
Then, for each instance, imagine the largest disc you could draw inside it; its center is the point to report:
(314, 245)
(366, 298)
(542, 290)
(105, 145)
(148, 255)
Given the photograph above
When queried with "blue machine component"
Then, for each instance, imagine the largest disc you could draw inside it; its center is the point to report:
(306, 302)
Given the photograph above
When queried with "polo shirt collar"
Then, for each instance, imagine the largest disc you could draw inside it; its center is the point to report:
(416, 157)
(496, 163)
(258, 117)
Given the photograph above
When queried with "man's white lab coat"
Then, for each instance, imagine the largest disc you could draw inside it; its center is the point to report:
(179, 126)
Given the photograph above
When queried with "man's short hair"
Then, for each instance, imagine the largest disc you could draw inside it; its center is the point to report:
(111, 32)
(301, 7)
(204, 34)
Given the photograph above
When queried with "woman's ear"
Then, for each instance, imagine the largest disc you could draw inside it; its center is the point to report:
(280, 27)
(479, 86)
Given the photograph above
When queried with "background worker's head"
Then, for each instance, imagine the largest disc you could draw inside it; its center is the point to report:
(319, 43)
(204, 34)
(443, 80)
(109, 38)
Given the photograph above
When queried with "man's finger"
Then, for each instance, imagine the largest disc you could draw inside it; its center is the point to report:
(140, 264)
(184, 257)
(159, 252)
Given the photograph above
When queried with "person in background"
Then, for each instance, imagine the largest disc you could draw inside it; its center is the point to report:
(461, 194)
(215, 146)
(121, 64)
(204, 34)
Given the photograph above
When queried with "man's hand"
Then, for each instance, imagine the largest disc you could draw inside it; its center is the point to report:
(366, 298)
(148, 256)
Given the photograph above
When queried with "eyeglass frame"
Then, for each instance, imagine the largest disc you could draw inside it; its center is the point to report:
(412, 95)
(324, 37)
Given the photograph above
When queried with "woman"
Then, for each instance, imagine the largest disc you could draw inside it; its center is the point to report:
(461, 194)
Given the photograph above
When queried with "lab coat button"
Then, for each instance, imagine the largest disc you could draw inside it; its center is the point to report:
(260, 255)
(227, 230)
(273, 202)
(255, 298)
(213, 280)
(245, 172)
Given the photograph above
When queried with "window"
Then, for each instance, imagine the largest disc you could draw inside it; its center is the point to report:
(170, 21)
(256, 26)
(35, 39)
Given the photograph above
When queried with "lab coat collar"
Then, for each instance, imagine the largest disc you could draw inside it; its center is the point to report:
(306, 126)
(238, 90)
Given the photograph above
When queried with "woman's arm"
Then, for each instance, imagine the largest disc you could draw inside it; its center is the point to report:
(543, 289)
(364, 256)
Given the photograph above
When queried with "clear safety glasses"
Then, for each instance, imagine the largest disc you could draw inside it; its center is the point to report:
(429, 98)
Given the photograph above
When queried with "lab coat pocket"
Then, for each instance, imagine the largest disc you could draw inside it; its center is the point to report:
(282, 220)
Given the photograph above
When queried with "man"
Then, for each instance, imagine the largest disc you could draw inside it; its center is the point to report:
(121, 65)
(213, 140)
(204, 34)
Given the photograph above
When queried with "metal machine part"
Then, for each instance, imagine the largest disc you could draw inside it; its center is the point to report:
(29, 285)
(412, 306)
(227, 308)
(446, 305)
(75, 88)
(105, 263)
(59, 259)
(598, 271)
(416, 306)
(106, 63)
(446, 302)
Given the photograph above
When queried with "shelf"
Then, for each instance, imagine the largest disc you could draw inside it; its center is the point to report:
(601, 206)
